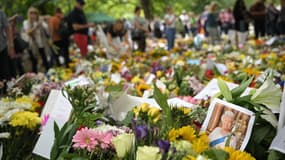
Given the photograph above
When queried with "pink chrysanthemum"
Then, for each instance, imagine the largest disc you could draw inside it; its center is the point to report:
(105, 140)
(85, 139)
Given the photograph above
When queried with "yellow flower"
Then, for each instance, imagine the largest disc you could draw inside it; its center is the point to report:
(187, 133)
(29, 101)
(201, 144)
(173, 135)
(35, 105)
(176, 91)
(154, 113)
(237, 154)
(263, 56)
(225, 78)
(188, 53)
(136, 80)
(71, 65)
(24, 99)
(231, 66)
(189, 157)
(144, 107)
(97, 75)
(251, 71)
(115, 67)
(159, 74)
(25, 119)
(283, 58)
(185, 110)
(141, 88)
(242, 56)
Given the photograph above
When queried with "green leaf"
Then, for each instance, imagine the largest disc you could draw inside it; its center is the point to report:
(54, 151)
(216, 154)
(162, 102)
(115, 88)
(260, 132)
(56, 129)
(225, 90)
(236, 92)
(275, 155)
(88, 108)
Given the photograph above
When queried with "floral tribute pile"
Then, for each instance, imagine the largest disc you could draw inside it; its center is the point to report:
(147, 132)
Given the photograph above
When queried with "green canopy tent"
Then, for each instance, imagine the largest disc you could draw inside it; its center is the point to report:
(99, 18)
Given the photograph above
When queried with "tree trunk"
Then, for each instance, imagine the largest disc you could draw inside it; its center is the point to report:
(147, 7)
(282, 2)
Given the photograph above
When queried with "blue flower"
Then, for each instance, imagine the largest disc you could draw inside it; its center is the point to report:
(141, 132)
(163, 145)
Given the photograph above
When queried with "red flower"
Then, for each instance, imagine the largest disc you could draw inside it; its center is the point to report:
(209, 74)
(197, 124)
(41, 103)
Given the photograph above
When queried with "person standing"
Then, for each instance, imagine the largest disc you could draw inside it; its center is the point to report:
(170, 20)
(80, 27)
(227, 20)
(7, 50)
(241, 17)
(193, 25)
(16, 64)
(140, 30)
(203, 20)
(157, 28)
(212, 23)
(185, 21)
(61, 43)
(271, 19)
(35, 31)
(281, 19)
(117, 41)
(258, 12)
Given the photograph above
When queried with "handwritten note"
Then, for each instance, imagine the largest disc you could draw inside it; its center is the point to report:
(59, 109)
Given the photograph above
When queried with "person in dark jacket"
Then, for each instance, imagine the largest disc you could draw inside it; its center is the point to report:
(212, 23)
(258, 13)
(241, 17)
(271, 19)
(281, 19)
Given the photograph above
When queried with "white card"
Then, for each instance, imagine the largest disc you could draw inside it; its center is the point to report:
(221, 68)
(59, 109)
(212, 88)
(150, 79)
(125, 103)
(116, 78)
(282, 111)
(278, 142)
(79, 81)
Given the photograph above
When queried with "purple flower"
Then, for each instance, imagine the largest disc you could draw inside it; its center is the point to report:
(98, 122)
(141, 132)
(163, 145)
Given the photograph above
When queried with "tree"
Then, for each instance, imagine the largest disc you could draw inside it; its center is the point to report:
(282, 2)
(148, 8)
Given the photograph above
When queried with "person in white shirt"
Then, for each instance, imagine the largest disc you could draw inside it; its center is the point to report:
(185, 21)
(170, 27)
(35, 29)
(221, 135)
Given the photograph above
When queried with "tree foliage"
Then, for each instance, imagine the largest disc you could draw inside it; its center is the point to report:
(114, 8)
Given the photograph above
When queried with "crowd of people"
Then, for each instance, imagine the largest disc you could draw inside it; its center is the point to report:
(48, 37)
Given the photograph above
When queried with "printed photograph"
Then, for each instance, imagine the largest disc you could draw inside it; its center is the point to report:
(228, 125)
